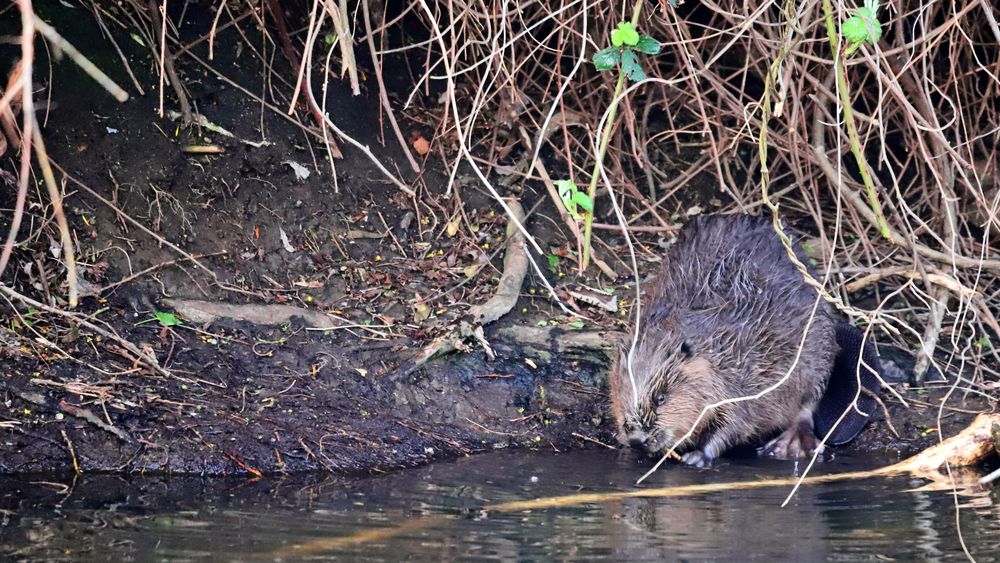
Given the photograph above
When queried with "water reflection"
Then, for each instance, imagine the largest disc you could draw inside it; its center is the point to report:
(440, 510)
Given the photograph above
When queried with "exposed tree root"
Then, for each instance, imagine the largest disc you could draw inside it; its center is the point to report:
(515, 267)
(274, 8)
(167, 68)
(198, 311)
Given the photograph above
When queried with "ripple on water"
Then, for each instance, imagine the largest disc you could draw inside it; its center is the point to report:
(435, 514)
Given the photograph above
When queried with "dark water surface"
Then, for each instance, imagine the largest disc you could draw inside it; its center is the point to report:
(435, 514)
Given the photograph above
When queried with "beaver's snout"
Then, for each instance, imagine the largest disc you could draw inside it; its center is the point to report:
(638, 440)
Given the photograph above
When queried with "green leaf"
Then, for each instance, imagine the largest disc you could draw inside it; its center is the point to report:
(584, 201)
(853, 30)
(577, 324)
(631, 66)
(166, 319)
(566, 189)
(606, 59)
(567, 193)
(863, 25)
(625, 34)
(872, 25)
(647, 45)
(553, 262)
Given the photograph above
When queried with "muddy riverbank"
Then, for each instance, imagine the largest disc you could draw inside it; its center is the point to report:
(259, 225)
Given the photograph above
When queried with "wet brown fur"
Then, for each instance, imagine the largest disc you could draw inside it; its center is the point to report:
(723, 318)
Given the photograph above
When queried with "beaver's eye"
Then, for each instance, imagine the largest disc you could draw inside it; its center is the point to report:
(687, 350)
(661, 399)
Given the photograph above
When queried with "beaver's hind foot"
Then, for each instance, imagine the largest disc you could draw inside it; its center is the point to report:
(797, 441)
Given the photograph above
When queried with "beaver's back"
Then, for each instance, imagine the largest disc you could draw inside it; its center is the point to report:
(735, 261)
(729, 284)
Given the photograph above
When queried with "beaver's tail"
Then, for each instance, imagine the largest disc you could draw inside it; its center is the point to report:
(842, 388)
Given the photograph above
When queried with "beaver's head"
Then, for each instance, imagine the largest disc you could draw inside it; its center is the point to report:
(658, 399)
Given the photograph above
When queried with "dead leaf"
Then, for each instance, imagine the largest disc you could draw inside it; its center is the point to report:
(420, 312)
(596, 297)
(284, 241)
(420, 144)
(301, 172)
(357, 233)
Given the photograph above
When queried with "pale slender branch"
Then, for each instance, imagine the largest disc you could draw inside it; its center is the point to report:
(81, 61)
(383, 95)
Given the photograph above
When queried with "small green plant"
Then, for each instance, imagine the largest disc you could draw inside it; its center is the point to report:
(625, 42)
(166, 319)
(862, 26)
(573, 199)
(553, 262)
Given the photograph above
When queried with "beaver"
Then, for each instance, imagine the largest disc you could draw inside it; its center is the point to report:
(728, 315)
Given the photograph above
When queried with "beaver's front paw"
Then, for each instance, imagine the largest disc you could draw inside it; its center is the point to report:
(794, 443)
(697, 458)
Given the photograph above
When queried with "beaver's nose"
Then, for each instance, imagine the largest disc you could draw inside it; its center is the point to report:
(638, 440)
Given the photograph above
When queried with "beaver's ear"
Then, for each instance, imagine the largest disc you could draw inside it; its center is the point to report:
(687, 349)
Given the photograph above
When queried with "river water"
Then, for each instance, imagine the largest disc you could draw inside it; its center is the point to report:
(436, 513)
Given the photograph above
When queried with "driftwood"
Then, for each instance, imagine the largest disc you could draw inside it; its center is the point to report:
(969, 447)
(207, 312)
(563, 341)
